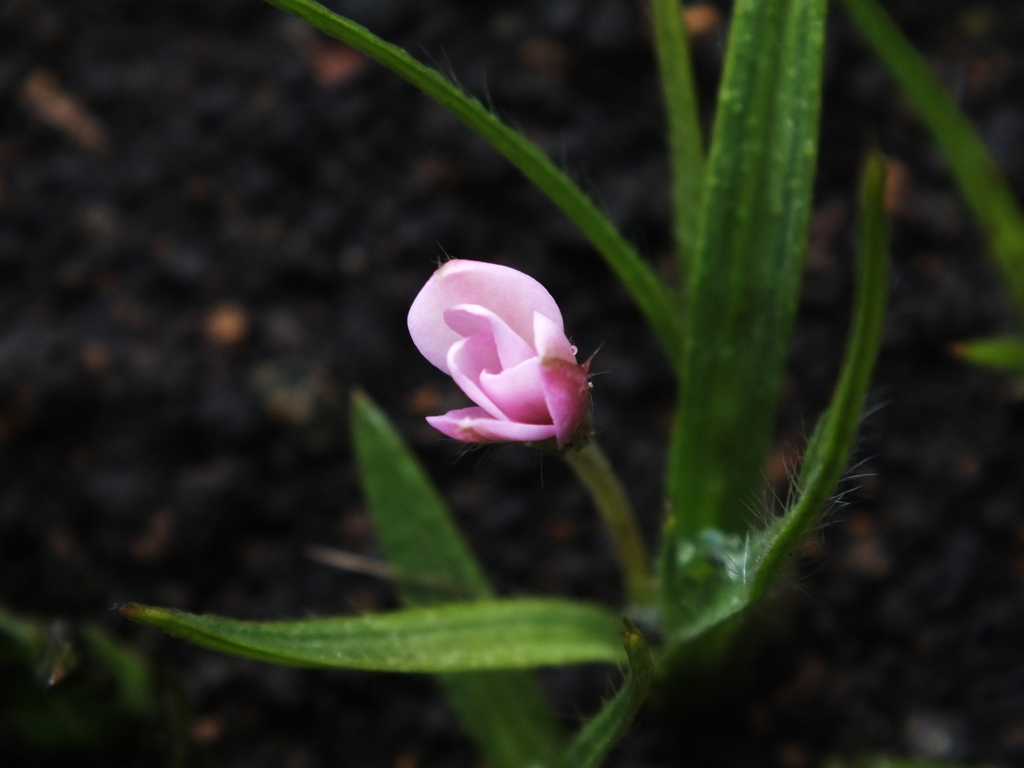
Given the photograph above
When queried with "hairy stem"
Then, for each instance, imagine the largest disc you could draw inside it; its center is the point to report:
(596, 473)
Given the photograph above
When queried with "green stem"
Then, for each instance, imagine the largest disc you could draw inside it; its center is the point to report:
(596, 473)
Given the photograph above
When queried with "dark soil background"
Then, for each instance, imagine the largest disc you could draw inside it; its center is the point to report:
(212, 223)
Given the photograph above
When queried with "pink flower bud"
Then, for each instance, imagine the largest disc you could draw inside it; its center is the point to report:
(499, 334)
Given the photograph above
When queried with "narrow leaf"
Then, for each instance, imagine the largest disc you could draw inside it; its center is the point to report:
(647, 290)
(833, 438)
(984, 188)
(609, 726)
(413, 523)
(505, 712)
(506, 715)
(720, 576)
(1001, 353)
(486, 635)
(684, 134)
(744, 279)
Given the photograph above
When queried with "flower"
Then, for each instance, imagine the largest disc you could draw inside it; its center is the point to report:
(499, 334)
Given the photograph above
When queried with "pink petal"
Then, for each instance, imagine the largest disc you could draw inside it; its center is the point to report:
(567, 393)
(507, 292)
(549, 340)
(518, 392)
(470, 319)
(475, 425)
(467, 359)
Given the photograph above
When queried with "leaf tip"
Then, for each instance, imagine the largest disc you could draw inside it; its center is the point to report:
(131, 611)
(140, 614)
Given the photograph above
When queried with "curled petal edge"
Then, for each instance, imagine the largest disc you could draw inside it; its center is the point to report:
(470, 320)
(475, 425)
(467, 360)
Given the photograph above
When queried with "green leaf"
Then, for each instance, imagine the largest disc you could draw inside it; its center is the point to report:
(506, 715)
(829, 447)
(685, 143)
(461, 637)
(1002, 353)
(505, 712)
(984, 188)
(415, 528)
(745, 277)
(720, 576)
(647, 290)
(609, 726)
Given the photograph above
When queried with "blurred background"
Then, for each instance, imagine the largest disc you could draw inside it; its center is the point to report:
(212, 223)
